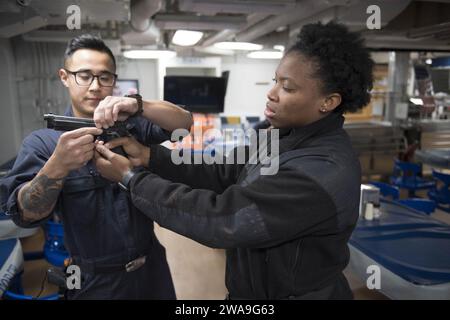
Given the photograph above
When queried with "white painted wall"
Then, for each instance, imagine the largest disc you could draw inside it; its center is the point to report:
(248, 84)
(146, 71)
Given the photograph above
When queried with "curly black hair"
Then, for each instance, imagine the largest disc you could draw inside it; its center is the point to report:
(343, 63)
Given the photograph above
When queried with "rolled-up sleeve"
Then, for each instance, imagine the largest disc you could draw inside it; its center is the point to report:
(32, 156)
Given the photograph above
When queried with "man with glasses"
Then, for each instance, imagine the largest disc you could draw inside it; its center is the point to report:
(111, 241)
(85, 78)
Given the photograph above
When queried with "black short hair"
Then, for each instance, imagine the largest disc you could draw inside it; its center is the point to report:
(88, 41)
(343, 63)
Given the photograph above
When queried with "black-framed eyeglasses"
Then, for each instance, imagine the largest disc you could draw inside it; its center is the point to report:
(85, 78)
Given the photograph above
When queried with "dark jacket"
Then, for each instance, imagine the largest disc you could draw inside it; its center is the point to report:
(285, 234)
(101, 226)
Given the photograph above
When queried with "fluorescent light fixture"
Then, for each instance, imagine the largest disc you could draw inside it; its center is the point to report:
(279, 47)
(214, 51)
(186, 38)
(149, 54)
(232, 45)
(416, 101)
(265, 54)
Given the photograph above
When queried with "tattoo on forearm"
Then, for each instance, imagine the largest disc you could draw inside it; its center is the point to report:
(39, 197)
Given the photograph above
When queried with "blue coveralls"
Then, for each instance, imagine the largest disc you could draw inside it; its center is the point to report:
(102, 228)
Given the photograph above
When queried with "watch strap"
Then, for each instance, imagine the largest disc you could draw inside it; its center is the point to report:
(125, 182)
(138, 98)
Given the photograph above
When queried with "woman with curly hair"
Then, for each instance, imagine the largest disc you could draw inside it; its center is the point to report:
(285, 234)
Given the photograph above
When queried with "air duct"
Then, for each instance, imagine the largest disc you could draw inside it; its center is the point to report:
(142, 29)
(141, 11)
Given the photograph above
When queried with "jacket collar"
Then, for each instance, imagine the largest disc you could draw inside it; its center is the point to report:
(293, 137)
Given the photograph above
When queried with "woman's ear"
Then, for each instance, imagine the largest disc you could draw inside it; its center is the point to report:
(63, 76)
(331, 102)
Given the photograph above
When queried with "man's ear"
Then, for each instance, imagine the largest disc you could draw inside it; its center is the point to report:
(64, 77)
(332, 101)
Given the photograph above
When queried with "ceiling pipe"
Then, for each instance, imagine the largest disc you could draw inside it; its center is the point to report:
(429, 30)
(142, 29)
(324, 16)
(229, 34)
(170, 21)
(218, 37)
(141, 11)
(354, 17)
(302, 10)
(236, 6)
(351, 12)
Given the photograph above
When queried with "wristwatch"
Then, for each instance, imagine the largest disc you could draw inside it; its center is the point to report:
(124, 184)
(138, 98)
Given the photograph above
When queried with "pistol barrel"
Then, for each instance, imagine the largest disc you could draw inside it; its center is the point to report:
(64, 123)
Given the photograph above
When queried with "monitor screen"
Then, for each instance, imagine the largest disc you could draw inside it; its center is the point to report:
(196, 94)
(226, 75)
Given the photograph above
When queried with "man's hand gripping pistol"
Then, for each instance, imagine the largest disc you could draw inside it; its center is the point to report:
(64, 123)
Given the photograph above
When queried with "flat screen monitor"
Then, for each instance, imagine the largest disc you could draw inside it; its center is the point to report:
(196, 94)
(226, 75)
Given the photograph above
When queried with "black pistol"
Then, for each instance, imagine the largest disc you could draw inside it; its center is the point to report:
(64, 123)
